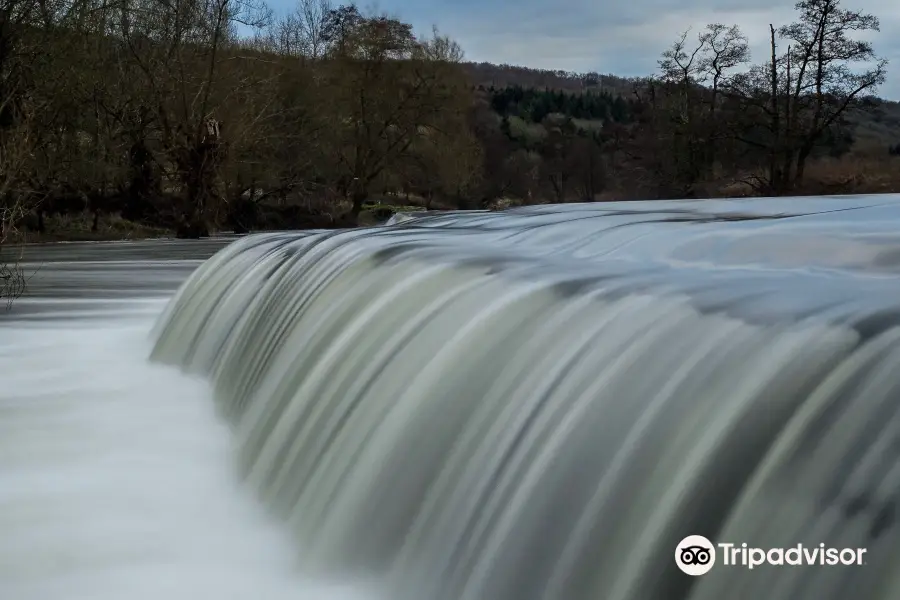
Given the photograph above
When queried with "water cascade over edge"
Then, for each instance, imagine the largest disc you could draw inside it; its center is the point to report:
(541, 404)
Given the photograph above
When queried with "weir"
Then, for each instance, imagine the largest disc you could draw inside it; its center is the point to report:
(541, 403)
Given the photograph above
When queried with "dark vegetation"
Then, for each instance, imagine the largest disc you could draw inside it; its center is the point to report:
(124, 118)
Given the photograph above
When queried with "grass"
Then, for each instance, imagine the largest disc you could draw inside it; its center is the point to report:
(854, 174)
(77, 228)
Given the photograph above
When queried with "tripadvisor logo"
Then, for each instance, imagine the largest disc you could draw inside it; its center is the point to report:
(696, 555)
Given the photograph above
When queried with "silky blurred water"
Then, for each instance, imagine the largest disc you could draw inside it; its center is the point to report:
(534, 405)
(540, 404)
(116, 476)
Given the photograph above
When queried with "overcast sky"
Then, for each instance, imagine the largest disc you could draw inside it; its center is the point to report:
(618, 37)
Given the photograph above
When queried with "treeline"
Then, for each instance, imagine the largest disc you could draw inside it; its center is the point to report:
(710, 120)
(534, 105)
(501, 76)
(161, 112)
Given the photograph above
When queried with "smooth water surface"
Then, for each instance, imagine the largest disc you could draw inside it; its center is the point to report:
(540, 404)
(116, 476)
(534, 405)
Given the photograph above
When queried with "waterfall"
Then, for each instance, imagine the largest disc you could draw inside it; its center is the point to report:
(541, 403)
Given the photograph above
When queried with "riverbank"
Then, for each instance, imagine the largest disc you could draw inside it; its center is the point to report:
(112, 227)
(827, 179)
(79, 228)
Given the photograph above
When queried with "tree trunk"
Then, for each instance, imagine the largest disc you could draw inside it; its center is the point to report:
(804, 153)
(359, 196)
(775, 175)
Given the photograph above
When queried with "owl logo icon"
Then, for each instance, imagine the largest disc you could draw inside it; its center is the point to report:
(695, 555)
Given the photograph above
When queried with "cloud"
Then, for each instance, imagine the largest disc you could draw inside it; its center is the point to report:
(622, 38)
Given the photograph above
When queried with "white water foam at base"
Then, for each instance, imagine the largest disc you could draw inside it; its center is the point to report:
(117, 479)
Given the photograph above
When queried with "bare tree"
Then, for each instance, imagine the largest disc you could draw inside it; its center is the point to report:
(21, 44)
(388, 90)
(440, 48)
(804, 92)
(16, 143)
(689, 130)
(724, 49)
(312, 17)
(179, 51)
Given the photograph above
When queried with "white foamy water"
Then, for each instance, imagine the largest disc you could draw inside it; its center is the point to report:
(532, 405)
(541, 404)
(117, 479)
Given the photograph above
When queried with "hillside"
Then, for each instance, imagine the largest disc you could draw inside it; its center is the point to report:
(502, 76)
(875, 129)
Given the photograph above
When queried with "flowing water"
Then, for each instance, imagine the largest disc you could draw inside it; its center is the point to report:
(116, 478)
(532, 405)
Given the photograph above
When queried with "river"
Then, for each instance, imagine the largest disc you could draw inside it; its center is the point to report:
(116, 476)
(535, 405)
